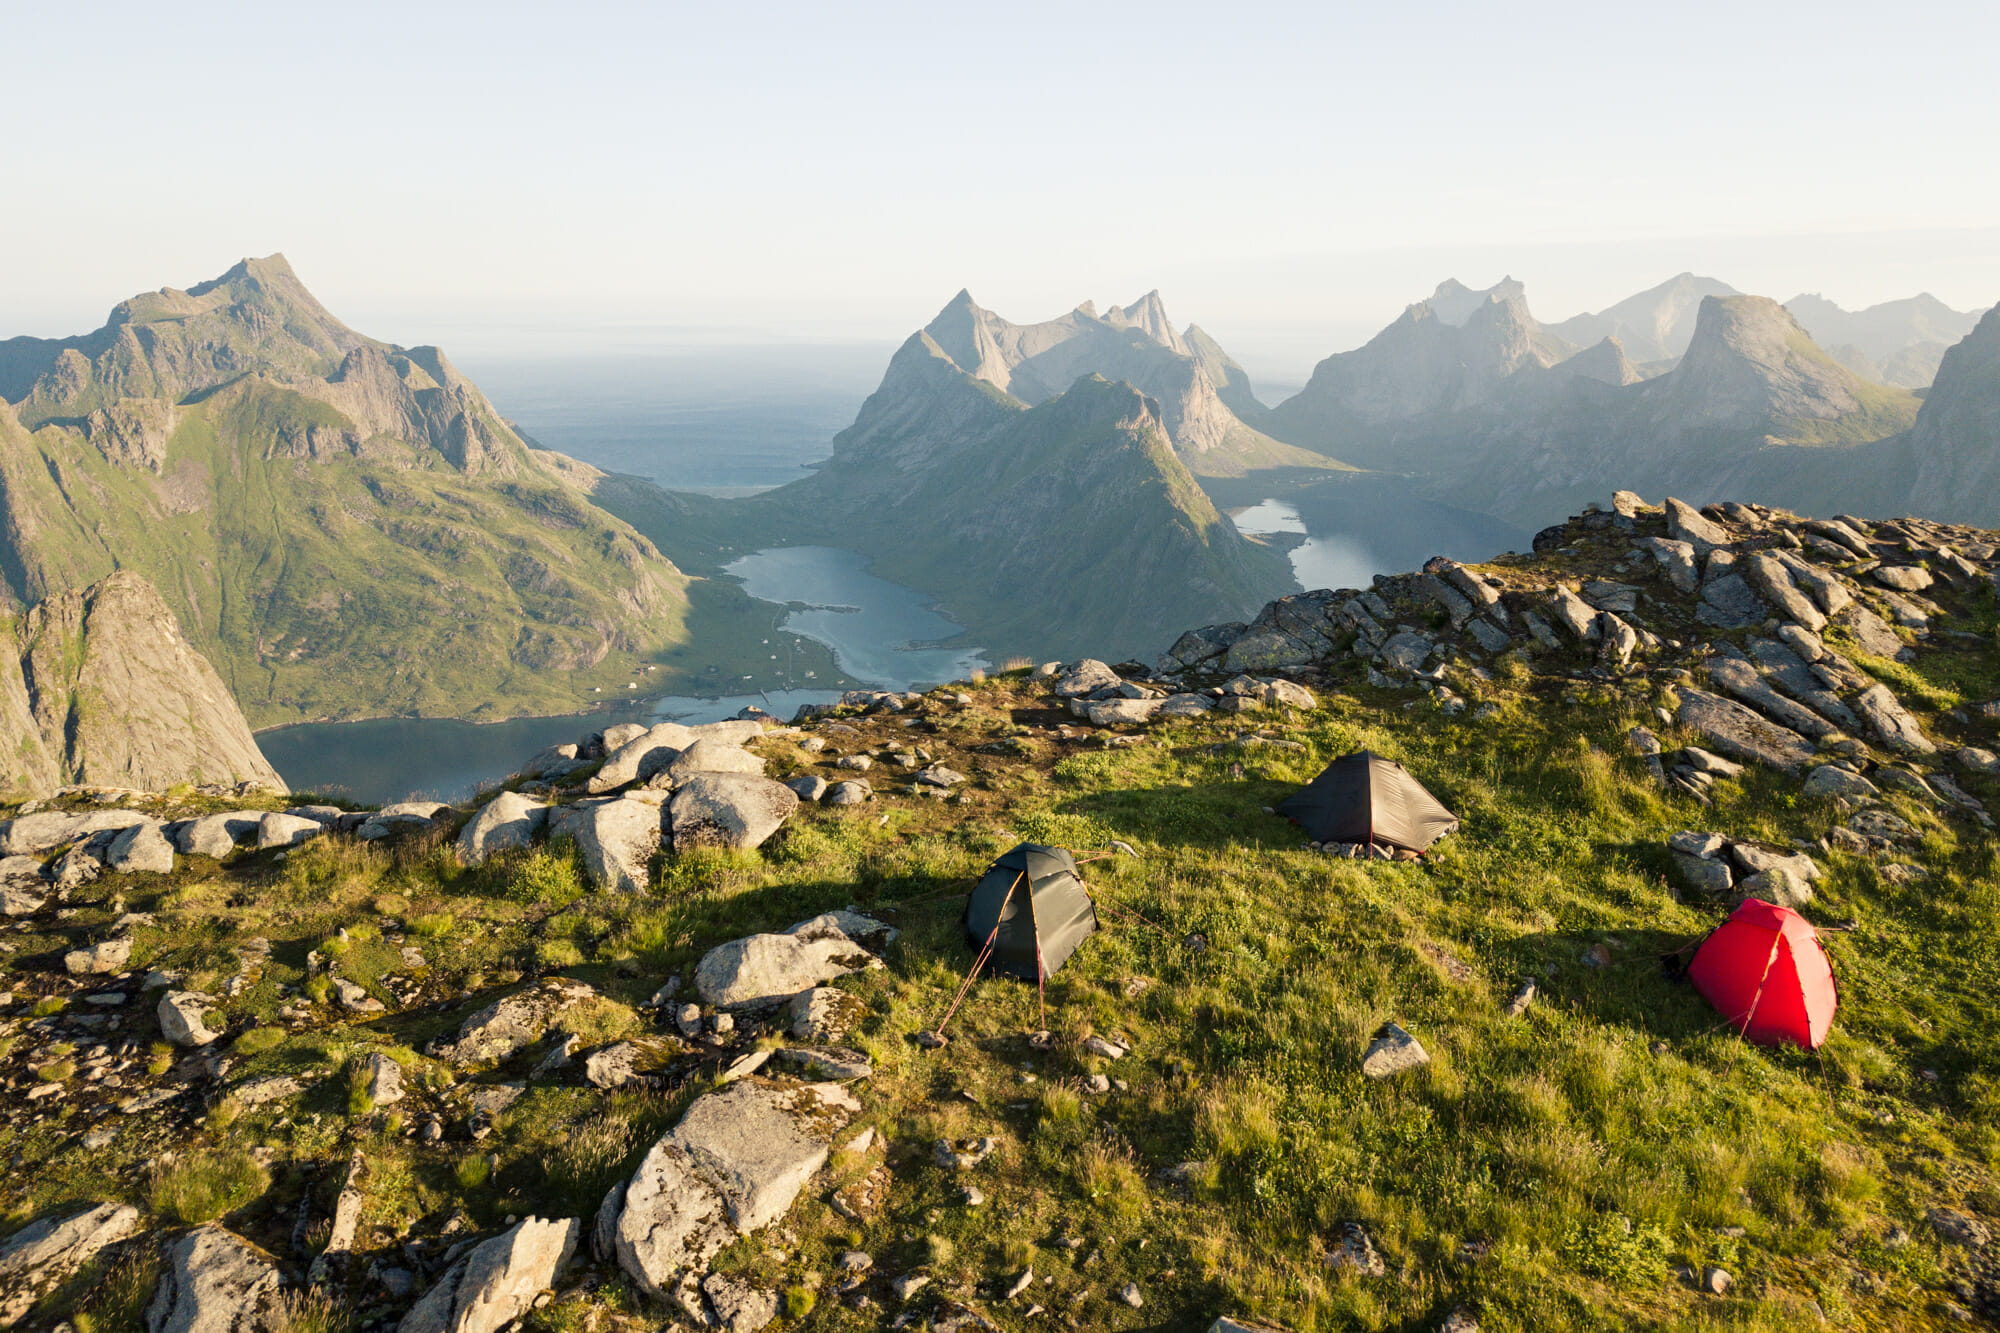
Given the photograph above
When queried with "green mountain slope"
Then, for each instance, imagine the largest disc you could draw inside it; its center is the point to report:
(343, 528)
(1077, 522)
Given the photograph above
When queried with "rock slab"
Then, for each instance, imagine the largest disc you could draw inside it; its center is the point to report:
(498, 1281)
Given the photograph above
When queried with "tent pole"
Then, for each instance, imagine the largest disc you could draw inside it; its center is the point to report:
(985, 953)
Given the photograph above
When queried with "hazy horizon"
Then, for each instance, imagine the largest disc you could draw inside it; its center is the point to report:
(502, 183)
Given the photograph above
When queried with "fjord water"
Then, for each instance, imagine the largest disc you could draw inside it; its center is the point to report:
(880, 632)
(1359, 525)
(384, 759)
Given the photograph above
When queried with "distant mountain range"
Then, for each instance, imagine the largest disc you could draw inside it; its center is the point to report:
(1489, 409)
(342, 526)
(1029, 477)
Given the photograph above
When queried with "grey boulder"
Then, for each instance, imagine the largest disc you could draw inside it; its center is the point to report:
(770, 969)
(728, 810)
(1891, 722)
(641, 757)
(217, 835)
(99, 959)
(40, 1255)
(617, 838)
(278, 830)
(1086, 677)
(141, 847)
(510, 820)
(734, 1164)
(709, 755)
(214, 1281)
(498, 1281)
(182, 1019)
(513, 1022)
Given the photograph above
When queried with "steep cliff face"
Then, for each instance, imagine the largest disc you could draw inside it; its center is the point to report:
(1955, 444)
(99, 686)
(341, 525)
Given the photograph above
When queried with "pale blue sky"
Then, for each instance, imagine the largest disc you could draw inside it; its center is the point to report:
(503, 176)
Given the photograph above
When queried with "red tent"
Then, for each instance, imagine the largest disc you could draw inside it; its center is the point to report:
(1764, 971)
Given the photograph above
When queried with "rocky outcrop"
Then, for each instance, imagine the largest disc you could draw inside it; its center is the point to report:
(512, 1022)
(214, 1281)
(498, 1281)
(102, 688)
(728, 810)
(770, 969)
(40, 1256)
(732, 1166)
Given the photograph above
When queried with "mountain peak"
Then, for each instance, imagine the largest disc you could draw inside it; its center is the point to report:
(1453, 302)
(1148, 315)
(1751, 362)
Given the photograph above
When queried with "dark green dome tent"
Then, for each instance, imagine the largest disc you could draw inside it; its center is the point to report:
(1042, 911)
(1364, 798)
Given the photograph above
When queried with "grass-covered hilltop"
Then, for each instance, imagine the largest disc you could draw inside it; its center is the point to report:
(646, 1037)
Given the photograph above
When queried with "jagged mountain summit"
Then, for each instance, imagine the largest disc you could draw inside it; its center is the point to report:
(1454, 303)
(1895, 342)
(1422, 364)
(1029, 364)
(1654, 326)
(1502, 416)
(341, 525)
(98, 686)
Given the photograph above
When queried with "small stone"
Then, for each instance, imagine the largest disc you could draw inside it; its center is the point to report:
(1355, 1252)
(1392, 1052)
(1715, 1281)
(1097, 1085)
(1129, 1293)
(1959, 1228)
(909, 1285)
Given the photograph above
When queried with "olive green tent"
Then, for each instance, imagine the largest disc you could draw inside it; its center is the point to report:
(1365, 798)
(1030, 911)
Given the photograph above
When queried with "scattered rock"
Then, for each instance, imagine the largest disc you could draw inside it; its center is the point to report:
(1891, 722)
(382, 1079)
(728, 810)
(498, 1281)
(38, 1257)
(1741, 733)
(513, 1022)
(508, 821)
(181, 1014)
(100, 959)
(1962, 1229)
(213, 1281)
(1354, 1252)
(1393, 1051)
